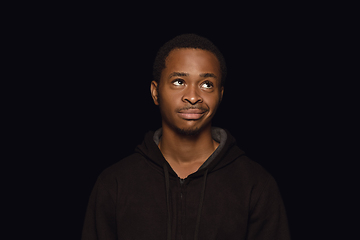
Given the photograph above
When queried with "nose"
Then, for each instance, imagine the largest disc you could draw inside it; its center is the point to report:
(192, 96)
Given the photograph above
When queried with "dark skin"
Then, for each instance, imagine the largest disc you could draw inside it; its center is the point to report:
(188, 94)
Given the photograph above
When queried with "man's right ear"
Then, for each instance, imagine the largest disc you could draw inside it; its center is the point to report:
(154, 92)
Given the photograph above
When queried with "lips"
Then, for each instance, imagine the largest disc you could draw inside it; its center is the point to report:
(191, 114)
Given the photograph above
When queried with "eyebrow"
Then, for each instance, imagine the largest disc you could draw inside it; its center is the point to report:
(178, 74)
(207, 75)
(183, 74)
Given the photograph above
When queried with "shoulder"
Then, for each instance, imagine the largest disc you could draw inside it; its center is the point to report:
(252, 167)
(121, 169)
(253, 173)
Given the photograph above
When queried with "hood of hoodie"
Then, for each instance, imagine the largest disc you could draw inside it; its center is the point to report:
(226, 153)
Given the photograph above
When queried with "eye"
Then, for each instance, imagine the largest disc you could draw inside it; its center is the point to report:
(207, 85)
(178, 82)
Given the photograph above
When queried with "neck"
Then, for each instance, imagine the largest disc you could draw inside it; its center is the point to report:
(183, 149)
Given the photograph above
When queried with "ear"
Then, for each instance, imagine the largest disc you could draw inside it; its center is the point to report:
(154, 92)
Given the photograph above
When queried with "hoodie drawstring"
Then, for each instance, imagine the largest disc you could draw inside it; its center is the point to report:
(167, 185)
(200, 206)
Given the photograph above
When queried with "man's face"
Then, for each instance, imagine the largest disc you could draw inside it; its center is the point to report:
(189, 91)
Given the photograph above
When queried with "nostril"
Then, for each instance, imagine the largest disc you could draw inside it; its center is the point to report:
(193, 101)
(192, 97)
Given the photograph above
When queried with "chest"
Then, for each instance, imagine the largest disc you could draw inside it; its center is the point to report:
(184, 170)
(145, 212)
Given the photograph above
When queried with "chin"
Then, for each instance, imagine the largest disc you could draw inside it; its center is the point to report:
(192, 130)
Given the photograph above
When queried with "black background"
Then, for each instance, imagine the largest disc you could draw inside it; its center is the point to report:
(93, 104)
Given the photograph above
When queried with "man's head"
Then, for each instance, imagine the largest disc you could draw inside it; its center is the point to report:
(189, 88)
(187, 41)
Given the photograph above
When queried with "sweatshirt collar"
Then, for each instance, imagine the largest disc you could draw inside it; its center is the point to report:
(218, 134)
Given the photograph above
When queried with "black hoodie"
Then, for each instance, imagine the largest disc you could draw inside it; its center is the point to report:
(229, 197)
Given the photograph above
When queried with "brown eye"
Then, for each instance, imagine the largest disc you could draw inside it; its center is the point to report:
(207, 85)
(178, 82)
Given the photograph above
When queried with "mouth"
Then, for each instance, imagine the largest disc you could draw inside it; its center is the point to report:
(192, 114)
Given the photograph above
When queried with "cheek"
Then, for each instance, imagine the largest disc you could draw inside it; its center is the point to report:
(167, 102)
(213, 102)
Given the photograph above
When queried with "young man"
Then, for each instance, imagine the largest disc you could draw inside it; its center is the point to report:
(188, 180)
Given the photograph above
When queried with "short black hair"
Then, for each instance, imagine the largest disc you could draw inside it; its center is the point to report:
(187, 41)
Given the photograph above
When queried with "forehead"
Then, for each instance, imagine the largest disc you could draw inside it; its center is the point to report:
(192, 60)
